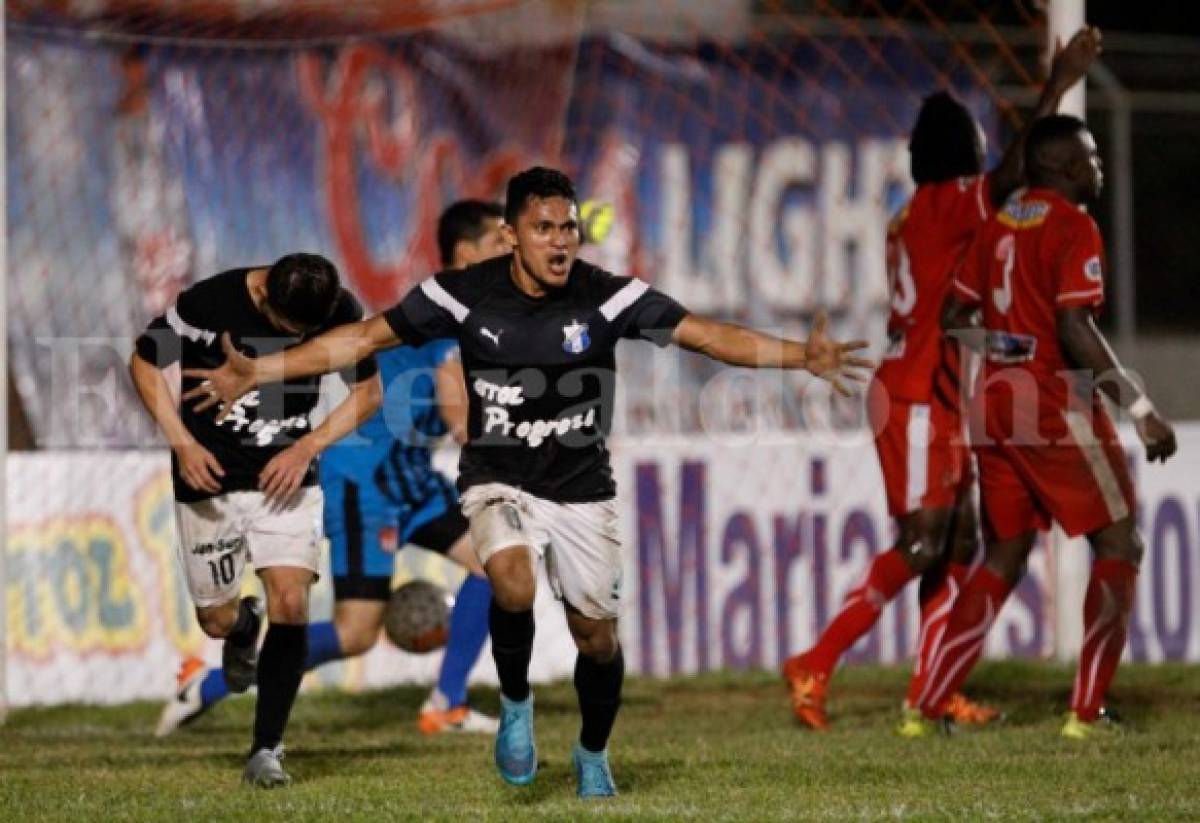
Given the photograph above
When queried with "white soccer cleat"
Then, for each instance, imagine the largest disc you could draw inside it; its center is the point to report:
(264, 769)
(185, 706)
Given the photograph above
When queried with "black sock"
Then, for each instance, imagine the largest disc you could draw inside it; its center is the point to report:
(599, 688)
(280, 670)
(512, 646)
(245, 630)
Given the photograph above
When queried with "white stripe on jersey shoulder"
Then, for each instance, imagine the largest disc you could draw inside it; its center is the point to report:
(434, 291)
(185, 329)
(623, 299)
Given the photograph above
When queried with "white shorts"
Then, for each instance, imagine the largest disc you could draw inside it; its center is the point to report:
(578, 540)
(219, 536)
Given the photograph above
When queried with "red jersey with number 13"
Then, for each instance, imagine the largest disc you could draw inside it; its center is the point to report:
(925, 246)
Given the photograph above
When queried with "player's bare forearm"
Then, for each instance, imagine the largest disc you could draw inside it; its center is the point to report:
(451, 392)
(156, 396)
(335, 349)
(1086, 348)
(364, 399)
(1068, 67)
(738, 345)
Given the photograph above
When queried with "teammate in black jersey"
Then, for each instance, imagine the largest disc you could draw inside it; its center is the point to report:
(537, 331)
(245, 484)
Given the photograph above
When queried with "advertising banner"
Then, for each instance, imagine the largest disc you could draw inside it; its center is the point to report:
(737, 554)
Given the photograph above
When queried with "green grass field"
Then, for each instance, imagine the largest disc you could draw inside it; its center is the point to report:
(719, 747)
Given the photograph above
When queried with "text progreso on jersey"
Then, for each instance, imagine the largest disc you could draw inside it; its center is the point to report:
(265, 421)
(540, 372)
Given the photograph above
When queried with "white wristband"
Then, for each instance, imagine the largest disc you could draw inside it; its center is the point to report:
(1141, 408)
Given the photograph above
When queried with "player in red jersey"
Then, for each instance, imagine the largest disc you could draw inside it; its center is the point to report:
(914, 400)
(1047, 449)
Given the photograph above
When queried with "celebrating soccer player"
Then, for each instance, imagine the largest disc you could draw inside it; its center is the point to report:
(914, 401)
(1047, 449)
(381, 492)
(245, 486)
(537, 330)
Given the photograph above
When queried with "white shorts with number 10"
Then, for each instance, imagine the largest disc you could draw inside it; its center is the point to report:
(578, 540)
(219, 536)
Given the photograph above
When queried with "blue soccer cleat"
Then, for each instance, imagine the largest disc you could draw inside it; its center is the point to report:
(516, 753)
(592, 772)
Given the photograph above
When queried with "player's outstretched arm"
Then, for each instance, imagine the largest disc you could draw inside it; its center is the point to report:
(740, 346)
(1086, 348)
(283, 475)
(1068, 67)
(335, 349)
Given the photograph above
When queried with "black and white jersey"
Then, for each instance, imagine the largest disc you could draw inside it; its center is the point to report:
(540, 372)
(266, 420)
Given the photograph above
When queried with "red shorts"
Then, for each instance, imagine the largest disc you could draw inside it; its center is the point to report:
(922, 452)
(1081, 481)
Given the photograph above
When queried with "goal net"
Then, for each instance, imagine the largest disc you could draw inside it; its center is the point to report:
(753, 151)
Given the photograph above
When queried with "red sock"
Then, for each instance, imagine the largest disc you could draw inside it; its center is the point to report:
(973, 613)
(1105, 620)
(887, 575)
(935, 613)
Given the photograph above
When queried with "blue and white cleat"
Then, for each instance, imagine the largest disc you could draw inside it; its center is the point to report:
(516, 753)
(592, 772)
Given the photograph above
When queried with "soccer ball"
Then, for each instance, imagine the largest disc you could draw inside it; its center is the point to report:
(417, 618)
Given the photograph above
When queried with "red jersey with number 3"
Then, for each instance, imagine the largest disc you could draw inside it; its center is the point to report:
(1040, 254)
(925, 246)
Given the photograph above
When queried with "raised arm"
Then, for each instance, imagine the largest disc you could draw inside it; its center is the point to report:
(1068, 67)
(1086, 348)
(740, 346)
(333, 350)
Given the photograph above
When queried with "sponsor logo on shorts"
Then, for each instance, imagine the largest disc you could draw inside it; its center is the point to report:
(221, 546)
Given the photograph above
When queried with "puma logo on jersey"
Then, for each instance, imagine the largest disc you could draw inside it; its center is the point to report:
(494, 336)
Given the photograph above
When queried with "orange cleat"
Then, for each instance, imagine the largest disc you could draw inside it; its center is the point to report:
(187, 671)
(807, 688)
(966, 712)
(436, 717)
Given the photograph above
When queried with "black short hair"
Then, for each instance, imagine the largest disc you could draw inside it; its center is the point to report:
(1042, 133)
(464, 220)
(944, 141)
(303, 288)
(540, 182)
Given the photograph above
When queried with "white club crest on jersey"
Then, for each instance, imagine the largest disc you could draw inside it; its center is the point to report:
(575, 337)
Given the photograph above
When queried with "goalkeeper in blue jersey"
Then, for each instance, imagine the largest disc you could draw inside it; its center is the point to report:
(381, 492)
